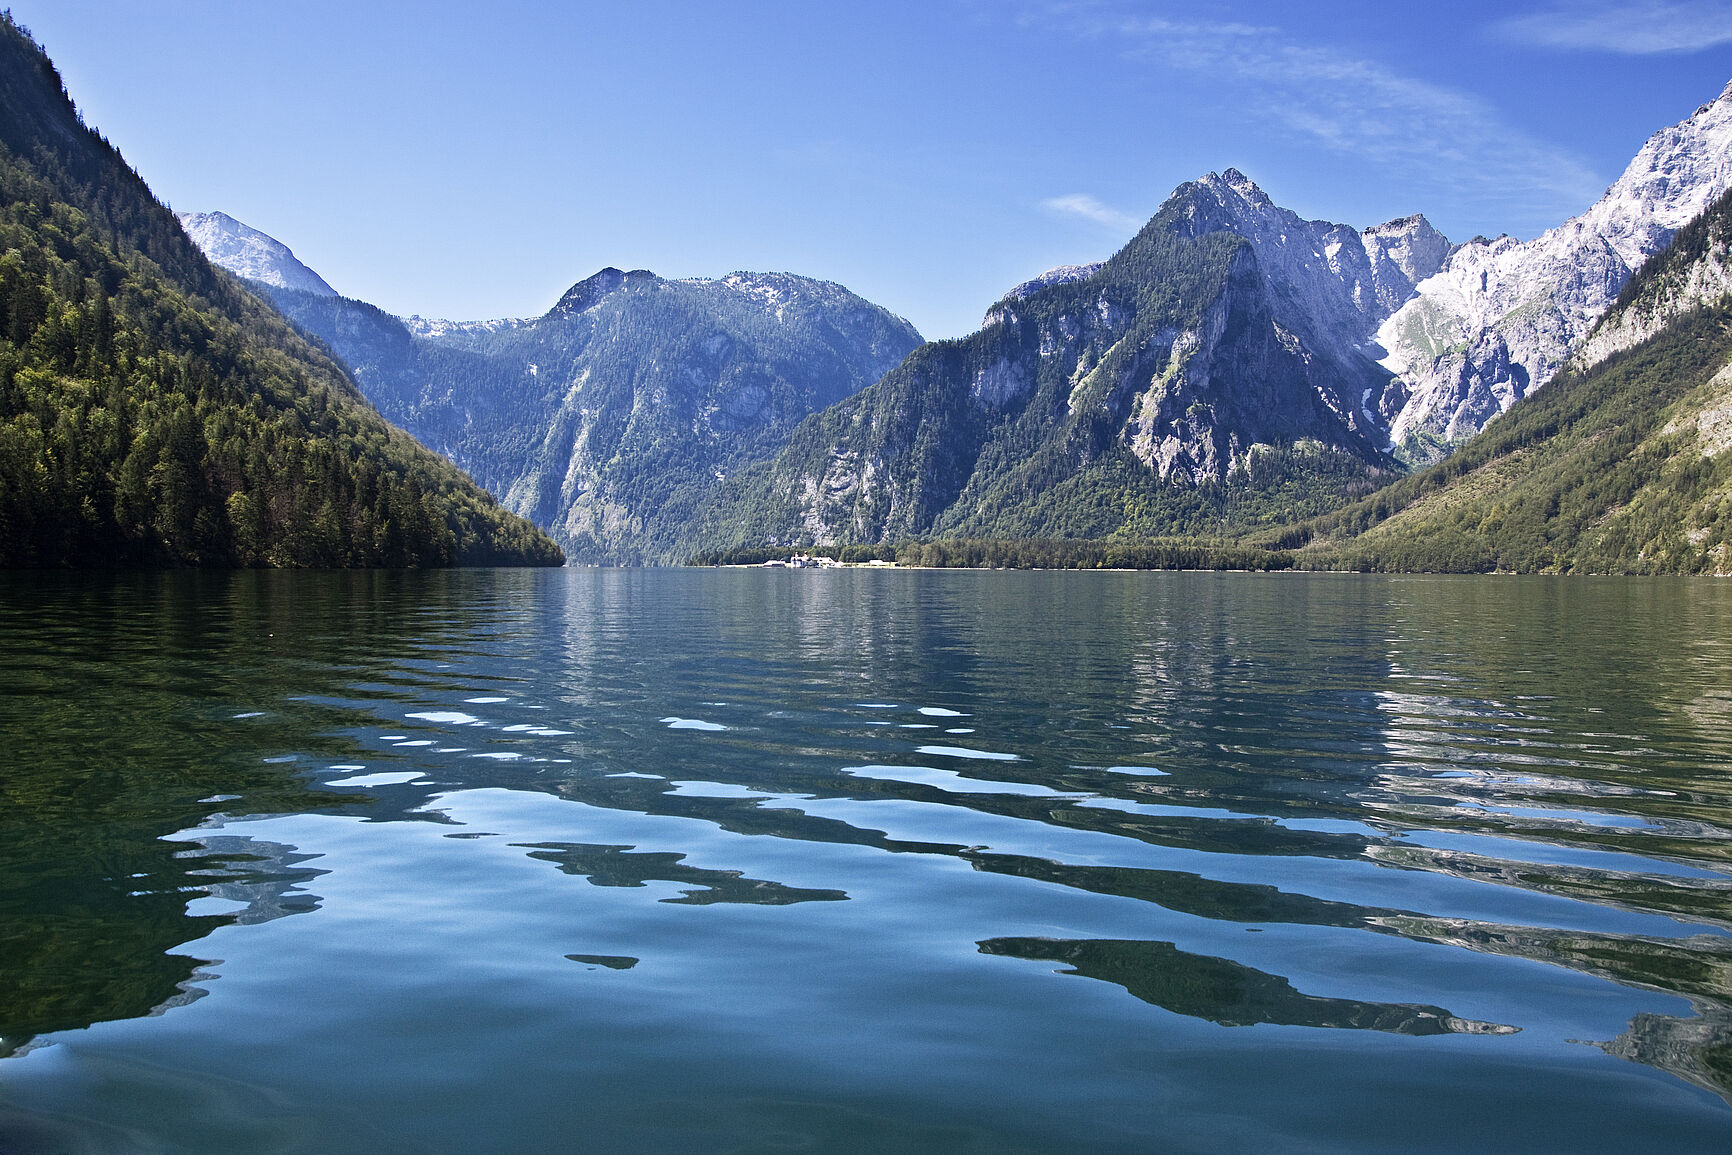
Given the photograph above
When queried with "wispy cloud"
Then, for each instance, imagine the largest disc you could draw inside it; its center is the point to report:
(1441, 139)
(1089, 209)
(1629, 28)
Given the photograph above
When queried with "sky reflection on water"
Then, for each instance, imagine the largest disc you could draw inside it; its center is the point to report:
(1333, 849)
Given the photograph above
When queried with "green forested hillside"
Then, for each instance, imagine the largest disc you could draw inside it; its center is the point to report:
(1624, 468)
(154, 412)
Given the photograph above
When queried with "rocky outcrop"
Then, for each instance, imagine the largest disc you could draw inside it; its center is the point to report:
(1695, 273)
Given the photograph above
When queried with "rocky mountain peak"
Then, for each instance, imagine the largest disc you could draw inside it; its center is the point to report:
(1348, 280)
(1219, 202)
(247, 252)
(1413, 246)
(1246, 188)
(1414, 227)
(589, 292)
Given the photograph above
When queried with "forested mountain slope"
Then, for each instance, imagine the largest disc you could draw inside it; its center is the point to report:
(155, 412)
(1623, 464)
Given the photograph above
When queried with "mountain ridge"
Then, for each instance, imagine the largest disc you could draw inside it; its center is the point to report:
(1622, 464)
(1090, 405)
(250, 254)
(1316, 358)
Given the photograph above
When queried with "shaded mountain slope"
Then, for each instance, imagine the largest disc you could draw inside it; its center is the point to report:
(154, 412)
(612, 419)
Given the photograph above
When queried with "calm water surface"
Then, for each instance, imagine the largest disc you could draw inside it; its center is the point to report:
(864, 861)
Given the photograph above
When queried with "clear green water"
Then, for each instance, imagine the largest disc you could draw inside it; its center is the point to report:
(763, 862)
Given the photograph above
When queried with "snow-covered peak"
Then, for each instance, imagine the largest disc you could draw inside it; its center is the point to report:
(246, 252)
(1671, 180)
(1501, 316)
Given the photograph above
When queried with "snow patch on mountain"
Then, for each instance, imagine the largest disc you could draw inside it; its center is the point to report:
(246, 252)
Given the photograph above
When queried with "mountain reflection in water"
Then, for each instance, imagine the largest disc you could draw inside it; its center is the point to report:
(1223, 991)
(1492, 809)
(618, 866)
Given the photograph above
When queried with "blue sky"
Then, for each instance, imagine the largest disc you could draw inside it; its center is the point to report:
(474, 160)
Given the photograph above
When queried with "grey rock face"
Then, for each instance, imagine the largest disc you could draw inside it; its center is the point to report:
(1337, 276)
(1502, 316)
(1331, 285)
(611, 419)
(1678, 284)
(246, 252)
(1223, 334)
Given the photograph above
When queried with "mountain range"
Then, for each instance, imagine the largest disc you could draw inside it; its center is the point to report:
(1191, 372)
(1235, 368)
(1502, 316)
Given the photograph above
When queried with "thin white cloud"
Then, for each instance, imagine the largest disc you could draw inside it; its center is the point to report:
(1089, 209)
(1442, 140)
(1628, 28)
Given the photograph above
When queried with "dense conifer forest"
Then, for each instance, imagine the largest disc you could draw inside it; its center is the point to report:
(154, 412)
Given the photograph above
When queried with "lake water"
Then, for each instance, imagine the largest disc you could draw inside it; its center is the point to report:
(743, 861)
